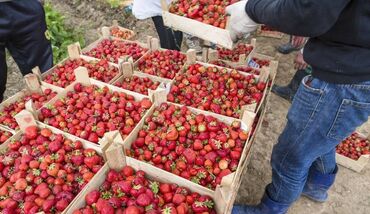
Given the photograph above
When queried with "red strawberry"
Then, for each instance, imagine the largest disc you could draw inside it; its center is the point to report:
(143, 200)
(92, 197)
(61, 205)
(178, 199)
(31, 132)
(189, 155)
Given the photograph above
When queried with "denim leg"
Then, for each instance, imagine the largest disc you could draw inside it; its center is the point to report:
(325, 164)
(321, 115)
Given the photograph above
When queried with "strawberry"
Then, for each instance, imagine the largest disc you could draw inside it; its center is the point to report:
(31, 132)
(112, 176)
(189, 155)
(127, 171)
(132, 210)
(92, 197)
(178, 199)
(143, 200)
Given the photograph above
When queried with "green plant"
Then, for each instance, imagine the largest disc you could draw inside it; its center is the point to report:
(114, 3)
(60, 35)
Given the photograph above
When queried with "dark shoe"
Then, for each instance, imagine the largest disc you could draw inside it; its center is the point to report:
(267, 206)
(318, 184)
(287, 48)
(283, 91)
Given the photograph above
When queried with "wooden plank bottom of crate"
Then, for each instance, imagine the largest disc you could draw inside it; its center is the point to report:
(199, 29)
(355, 165)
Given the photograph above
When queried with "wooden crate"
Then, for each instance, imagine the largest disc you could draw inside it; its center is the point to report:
(229, 182)
(151, 173)
(274, 64)
(243, 58)
(164, 83)
(154, 45)
(106, 31)
(271, 34)
(26, 119)
(355, 165)
(95, 44)
(83, 78)
(74, 53)
(206, 32)
(264, 76)
(32, 85)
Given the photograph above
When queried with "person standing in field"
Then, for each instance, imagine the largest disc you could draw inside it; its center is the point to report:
(328, 105)
(143, 9)
(23, 33)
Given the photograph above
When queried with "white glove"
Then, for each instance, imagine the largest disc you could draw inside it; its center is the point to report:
(239, 23)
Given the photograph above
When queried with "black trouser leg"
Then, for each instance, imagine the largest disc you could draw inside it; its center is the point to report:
(3, 71)
(169, 39)
(28, 43)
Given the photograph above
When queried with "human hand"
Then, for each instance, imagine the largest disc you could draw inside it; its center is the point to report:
(298, 41)
(239, 22)
(299, 62)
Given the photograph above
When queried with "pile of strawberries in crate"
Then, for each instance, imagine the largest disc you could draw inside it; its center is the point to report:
(121, 33)
(245, 69)
(9, 110)
(199, 148)
(138, 194)
(179, 143)
(216, 89)
(210, 12)
(89, 112)
(112, 50)
(234, 54)
(43, 171)
(63, 75)
(164, 64)
(354, 147)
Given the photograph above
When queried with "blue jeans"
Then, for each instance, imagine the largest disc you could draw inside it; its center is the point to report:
(321, 116)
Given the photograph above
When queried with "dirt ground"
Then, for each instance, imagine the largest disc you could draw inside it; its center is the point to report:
(350, 194)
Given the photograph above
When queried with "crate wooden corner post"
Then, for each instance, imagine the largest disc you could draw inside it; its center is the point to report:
(254, 45)
(82, 75)
(158, 96)
(105, 31)
(212, 55)
(25, 119)
(205, 54)
(264, 75)
(115, 155)
(107, 141)
(221, 203)
(204, 31)
(191, 56)
(36, 70)
(33, 83)
(154, 44)
(273, 71)
(125, 67)
(74, 50)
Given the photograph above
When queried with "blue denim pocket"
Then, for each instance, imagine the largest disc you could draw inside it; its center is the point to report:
(350, 115)
(305, 102)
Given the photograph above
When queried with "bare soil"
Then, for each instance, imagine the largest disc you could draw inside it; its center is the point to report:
(349, 195)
